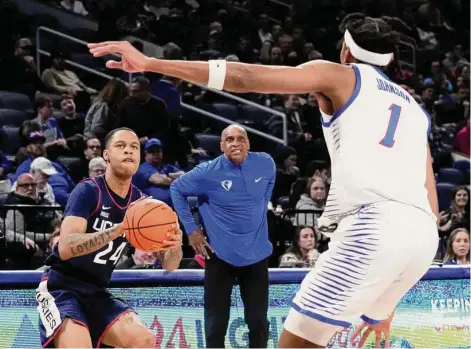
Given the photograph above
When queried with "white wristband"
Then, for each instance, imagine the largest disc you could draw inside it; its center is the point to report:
(217, 74)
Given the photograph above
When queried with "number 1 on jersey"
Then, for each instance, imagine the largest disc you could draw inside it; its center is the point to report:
(388, 140)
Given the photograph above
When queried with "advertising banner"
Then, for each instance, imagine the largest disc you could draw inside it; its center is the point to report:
(434, 314)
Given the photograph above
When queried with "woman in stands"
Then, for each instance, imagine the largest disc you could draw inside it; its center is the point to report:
(457, 249)
(313, 199)
(457, 215)
(100, 117)
(302, 253)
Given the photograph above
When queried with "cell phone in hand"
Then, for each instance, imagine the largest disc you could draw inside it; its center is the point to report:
(200, 260)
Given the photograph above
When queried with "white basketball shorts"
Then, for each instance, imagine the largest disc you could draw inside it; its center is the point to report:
(375, 256)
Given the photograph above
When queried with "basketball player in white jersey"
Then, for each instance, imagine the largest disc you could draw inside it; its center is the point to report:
(382, 207)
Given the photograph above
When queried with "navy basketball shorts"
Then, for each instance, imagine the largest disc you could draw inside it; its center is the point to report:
(59, 297)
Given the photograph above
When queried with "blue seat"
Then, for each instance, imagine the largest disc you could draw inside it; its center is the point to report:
(444, 192)
(17, 101)
(10, 139)
(12, 117)
(227, 111)
(247, 112)
(209, 142)
(462, 165)
(450, 175)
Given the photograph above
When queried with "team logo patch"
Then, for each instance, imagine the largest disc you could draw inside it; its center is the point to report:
(227, 185)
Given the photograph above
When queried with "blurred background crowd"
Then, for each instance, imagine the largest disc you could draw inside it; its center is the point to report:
(57, 103)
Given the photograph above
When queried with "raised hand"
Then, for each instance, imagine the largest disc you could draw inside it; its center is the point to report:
(132, 61)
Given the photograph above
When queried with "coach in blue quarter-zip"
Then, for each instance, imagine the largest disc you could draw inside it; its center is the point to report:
(233, 192)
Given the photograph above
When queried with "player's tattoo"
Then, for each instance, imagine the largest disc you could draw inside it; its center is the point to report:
(81, 244)
(127, 318)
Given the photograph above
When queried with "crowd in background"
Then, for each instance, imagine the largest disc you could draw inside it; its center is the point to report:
(62, 142)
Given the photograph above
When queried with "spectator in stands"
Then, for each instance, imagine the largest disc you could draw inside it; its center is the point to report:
(154, 177)
(457, 216)
(302, 253)
(292, 108)
(28, 225)
(60, 181)
(80, 168)
(457, 249)
(146, 116)
(429, 97)
(61, 80)
(75, 6)
(54, 239)
(166, 88)
(139, 260)
(310, 120)
(71, 123)
(27, 128)
(5, 164)
(101, 117)
(462, 140)
(286, 173)
(55, 143)
(96, 167)
(45, 191)
(455, 60)
(19, 72)
(313, 200)
(92, 149)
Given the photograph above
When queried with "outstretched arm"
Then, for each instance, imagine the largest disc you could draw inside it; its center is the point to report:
(315, 76)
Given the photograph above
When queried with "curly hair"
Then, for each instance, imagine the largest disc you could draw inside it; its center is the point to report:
(380, 35)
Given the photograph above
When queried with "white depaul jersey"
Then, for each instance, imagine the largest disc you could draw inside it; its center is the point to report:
(378, 146)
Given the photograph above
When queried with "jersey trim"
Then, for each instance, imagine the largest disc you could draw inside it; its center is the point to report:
(380, 72)
(98, 202)
(352, 98)
(114, 201)
(429, 118)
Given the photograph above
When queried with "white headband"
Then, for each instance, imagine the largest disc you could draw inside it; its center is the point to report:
(381, 59)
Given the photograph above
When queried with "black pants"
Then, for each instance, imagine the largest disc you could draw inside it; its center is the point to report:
(219, 278)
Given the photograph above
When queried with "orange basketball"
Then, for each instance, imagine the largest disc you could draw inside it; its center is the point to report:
(147, 224)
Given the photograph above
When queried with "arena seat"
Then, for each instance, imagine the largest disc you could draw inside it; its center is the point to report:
(462, 165)
(247, 112)
(12, 117)
(444, 191)
(17, 101)
(227, 111)
(11, 139)
(450, 175)
(209, 142)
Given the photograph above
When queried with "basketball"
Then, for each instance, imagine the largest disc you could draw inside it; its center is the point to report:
(147, 223)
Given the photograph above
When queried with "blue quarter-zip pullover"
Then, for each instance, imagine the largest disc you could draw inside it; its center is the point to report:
(233, 203)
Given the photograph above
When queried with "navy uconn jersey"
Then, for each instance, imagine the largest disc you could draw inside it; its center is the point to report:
(94, 201)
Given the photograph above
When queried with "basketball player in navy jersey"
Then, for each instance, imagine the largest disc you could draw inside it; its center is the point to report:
(74, 306)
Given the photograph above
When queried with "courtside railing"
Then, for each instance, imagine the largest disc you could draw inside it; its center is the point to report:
(283, 140)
